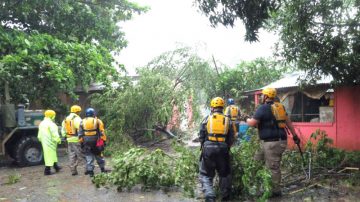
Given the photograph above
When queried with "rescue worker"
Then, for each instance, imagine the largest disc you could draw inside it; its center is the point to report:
(49, 138)
(91, 129)
(216, 137)
(234, 113)
(70, 130)
(271, 119)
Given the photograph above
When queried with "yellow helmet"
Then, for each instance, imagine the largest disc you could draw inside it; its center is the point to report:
(50, 113)
(75, 108)
(270, 92)
(217, 102)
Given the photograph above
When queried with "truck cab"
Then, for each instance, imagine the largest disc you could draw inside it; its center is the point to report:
(18, 134)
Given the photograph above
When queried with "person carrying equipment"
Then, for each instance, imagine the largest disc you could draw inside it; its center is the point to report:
(92, 135)
(234, 113)
(216, 137)
(271, 119)
(70, 130)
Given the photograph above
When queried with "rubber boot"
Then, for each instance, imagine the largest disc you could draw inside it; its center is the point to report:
(90, 173)
(47, 170)
(226, 198)
(276, 194)
(209, 199)
(74, 172)
(103, 170)
(57, 168)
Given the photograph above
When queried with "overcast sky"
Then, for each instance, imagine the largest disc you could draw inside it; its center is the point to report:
(169, 23)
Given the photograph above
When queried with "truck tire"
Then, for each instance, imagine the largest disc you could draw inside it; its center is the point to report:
(28, 151)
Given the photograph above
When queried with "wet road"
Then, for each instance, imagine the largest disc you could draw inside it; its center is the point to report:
(34, 186)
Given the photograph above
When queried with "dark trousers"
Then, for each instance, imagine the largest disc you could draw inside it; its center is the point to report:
(91, 154)
(215, 157)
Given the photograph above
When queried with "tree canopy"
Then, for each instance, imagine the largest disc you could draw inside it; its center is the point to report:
(168, 80)
(71, 20)
(253, 13)
(321, 37)
(318, 36)
(248, 76)
(39, 66)
(51, 47)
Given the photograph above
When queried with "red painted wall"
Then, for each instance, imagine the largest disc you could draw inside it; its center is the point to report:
(347, 102)
(304, 130)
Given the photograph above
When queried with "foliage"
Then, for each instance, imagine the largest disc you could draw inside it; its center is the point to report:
(326, 156)
(248, 76)
(321, 37)
(138, 107)
(186, 169)
(253, 13)
(48, 47)
(191, 75)
(320, 153)
(170, 79)
(152, 169)
(49, 66)
(71, 20)
(12, 179)
(250, 178)
(155, 169)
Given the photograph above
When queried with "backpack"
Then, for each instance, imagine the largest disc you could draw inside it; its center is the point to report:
(217, 127)
(278, 110)
(70, 125)
(90, 126)
(234, 112)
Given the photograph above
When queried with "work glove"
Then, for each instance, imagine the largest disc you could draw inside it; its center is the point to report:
(296, 139)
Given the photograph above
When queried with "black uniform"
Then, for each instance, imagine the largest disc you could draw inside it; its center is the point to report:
(215, 156)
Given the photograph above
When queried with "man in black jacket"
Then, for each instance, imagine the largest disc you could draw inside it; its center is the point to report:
(271, 119)
(216, 137)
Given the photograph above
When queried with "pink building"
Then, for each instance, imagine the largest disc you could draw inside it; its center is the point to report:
(334, 110)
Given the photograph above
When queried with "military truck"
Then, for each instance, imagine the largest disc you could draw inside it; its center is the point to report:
(18, 134)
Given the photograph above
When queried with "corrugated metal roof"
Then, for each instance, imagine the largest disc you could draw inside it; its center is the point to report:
(293, 79)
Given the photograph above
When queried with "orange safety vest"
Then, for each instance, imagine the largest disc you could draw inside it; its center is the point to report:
(69, 124)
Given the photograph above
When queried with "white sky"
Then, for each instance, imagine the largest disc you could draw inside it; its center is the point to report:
(169, 23)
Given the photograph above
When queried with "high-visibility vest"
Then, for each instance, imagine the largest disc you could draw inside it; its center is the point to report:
(90, 126)
(217, 127)
(69, 125)
(232, 111)
(278, 110)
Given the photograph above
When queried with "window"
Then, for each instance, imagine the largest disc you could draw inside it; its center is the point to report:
(302, 108)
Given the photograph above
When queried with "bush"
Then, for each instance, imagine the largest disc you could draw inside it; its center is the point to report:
(251, 179)
(152, 170)
(156, 169)
(324, 155)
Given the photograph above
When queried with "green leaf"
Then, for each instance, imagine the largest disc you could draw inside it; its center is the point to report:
(27, 42)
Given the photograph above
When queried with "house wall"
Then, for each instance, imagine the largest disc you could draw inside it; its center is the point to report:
(348, 118)
(345, 129)
(304, 131)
